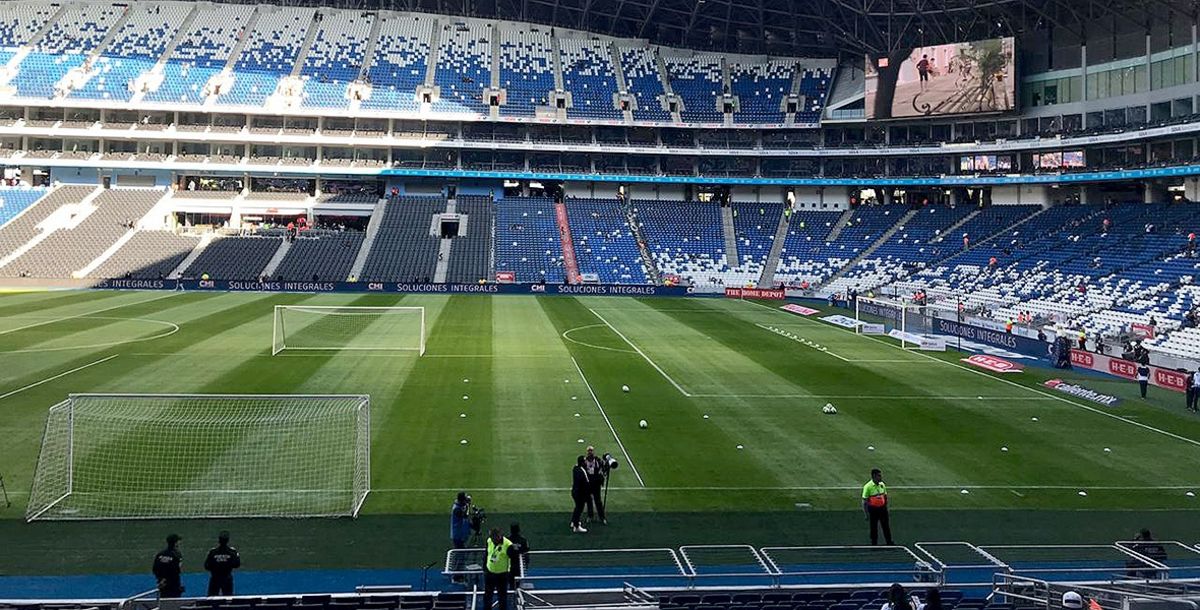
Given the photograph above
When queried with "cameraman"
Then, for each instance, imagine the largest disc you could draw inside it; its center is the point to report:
(594, 466)
(460, 521)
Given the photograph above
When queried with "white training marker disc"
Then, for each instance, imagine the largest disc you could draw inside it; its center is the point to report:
(462, 442)
(1004, 449)
(1107, 450)
(579, 441)
(576, 415)
(464, 396)
(1033, 419)
(574, 398)
(462, 414)
(740, 447)
(566, 381)
(705, 416)
(466, 380)
(870, 447)
(1190, 494)
(1083, 493)
(964, 492)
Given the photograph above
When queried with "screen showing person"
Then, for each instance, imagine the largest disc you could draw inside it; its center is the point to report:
(940, 80)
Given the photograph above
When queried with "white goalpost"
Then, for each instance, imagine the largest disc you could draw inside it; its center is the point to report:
(308, 327)
(155, 456)
(893, 312)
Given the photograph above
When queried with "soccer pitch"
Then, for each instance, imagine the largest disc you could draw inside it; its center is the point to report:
(732, 391)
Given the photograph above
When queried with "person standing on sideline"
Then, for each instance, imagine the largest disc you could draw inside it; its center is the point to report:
(1143, 369)
(580, 492)
(522, 557)
(500, 551)
(222, 560)
(595, 472)
(168, 568)
(460, 521)
(1193, 391)
(875, 505)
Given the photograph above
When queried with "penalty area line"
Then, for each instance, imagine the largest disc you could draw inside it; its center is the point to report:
(616, 437)
(641, 353)
(60, 375)
(84, 314)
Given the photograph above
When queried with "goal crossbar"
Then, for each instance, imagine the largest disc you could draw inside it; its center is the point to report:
(348, 327)
(150, 456)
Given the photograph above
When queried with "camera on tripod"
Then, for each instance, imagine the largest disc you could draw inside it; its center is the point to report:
(476, 517)
(608, 463)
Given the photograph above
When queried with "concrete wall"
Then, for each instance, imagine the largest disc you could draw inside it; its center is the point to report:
(1021, 195)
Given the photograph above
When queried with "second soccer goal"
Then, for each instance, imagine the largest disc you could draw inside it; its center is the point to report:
(299, 327)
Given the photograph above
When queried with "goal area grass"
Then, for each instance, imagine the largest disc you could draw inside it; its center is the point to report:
(511, 389)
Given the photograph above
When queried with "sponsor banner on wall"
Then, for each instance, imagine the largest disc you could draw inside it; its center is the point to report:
(994, 338)
(873, 329)
(506, 277)
(393, 287)
(993, 364)
(1144, 330)
(1161, 377)
(799, 310)
(755, 293)
(923, 342)
(1079, 391)
(843, 321)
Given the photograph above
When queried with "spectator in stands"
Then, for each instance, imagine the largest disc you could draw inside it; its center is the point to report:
(222, 560)
(898, 599)
(580, 492)
(1072, 601)
(933, 599)
(500, 553)
(167, 568)
(522, 546)
(875, 506)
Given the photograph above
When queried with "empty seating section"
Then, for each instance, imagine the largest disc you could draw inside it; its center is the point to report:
(588, 74)
(64, 46)
(147, 255)
(336, 57)
(234, 258)
(404, 250)
(464, 67)
(604, 243)
(399, 62)
(806, 256)
(866, 225)
(526, 69)
(20, 230)
(134, 50)
(269, 55)
(641, 76)
(19, 21)
(754, 227)
(79, 242)
(697, 80)
(16, 200)
(815, 83)
(325, 256)
(915, 243)
(685, 238)
(202, 52)
(527, 240)
(761, 89)
(470, 254)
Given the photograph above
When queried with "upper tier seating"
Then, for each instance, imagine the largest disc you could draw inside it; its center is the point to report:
(696, 79)
(527, 240)
(399, 62)
(404, 250)
(147, 255)
(325, 256)
(641, 76)
(134, 50)
(604, 243)
(526, 69)
(470, 254)
(270, 53)
(19, 21)
(71, 248)
(234, 258)
(65, 45)
(761, 89)
(589, 75)
(336, 57)
(202, 52)
(464, 67)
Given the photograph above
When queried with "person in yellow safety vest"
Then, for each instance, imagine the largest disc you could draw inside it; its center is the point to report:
(500, 553)
(1008, 326)
(875, 505)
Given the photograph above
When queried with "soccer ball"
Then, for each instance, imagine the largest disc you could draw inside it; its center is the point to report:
(625, 389)
(643, 424)
(829, 409)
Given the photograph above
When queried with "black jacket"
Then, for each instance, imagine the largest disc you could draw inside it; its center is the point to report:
(580, 484)
(168, 565)
(222, 560)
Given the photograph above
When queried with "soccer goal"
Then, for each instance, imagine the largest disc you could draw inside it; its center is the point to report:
(300, 327)
(894, 314)
(152, 456)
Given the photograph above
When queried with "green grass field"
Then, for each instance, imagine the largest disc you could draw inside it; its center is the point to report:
(543, 379)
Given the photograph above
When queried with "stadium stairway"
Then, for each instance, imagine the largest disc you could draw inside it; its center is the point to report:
(284, 247)
(187, 261)
(899, 224)
(841, 224)
(652, 272)
(731, 252)
(767, 279)
(364, 251)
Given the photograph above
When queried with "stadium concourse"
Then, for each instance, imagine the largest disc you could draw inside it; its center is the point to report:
(303, 272)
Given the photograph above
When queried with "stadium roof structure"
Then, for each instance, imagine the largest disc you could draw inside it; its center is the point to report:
(809, 28)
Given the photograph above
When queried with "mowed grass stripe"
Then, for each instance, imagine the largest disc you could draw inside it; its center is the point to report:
(99, 328)
(53, 302)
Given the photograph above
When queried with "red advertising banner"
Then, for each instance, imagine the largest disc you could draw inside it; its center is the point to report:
(1145, 330)
(1163, 378)
(506, 277)
(799, 309)
(993, 364)
(755, 293)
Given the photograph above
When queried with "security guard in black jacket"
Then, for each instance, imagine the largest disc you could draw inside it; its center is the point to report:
(222, 560)
(167, 568)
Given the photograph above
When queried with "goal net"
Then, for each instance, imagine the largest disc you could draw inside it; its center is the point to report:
(299, 327)
(889, 316)
(142, 456)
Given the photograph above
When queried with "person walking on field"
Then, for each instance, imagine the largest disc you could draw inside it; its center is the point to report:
(875, 505)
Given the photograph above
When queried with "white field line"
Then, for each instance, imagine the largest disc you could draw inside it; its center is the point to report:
(877, 398)
(641, 353)
(1078, 405)
(84, 314)
(755, 489)
(616, 437)
(62, 374)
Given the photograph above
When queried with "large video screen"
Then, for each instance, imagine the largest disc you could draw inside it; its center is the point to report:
(948, 79)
